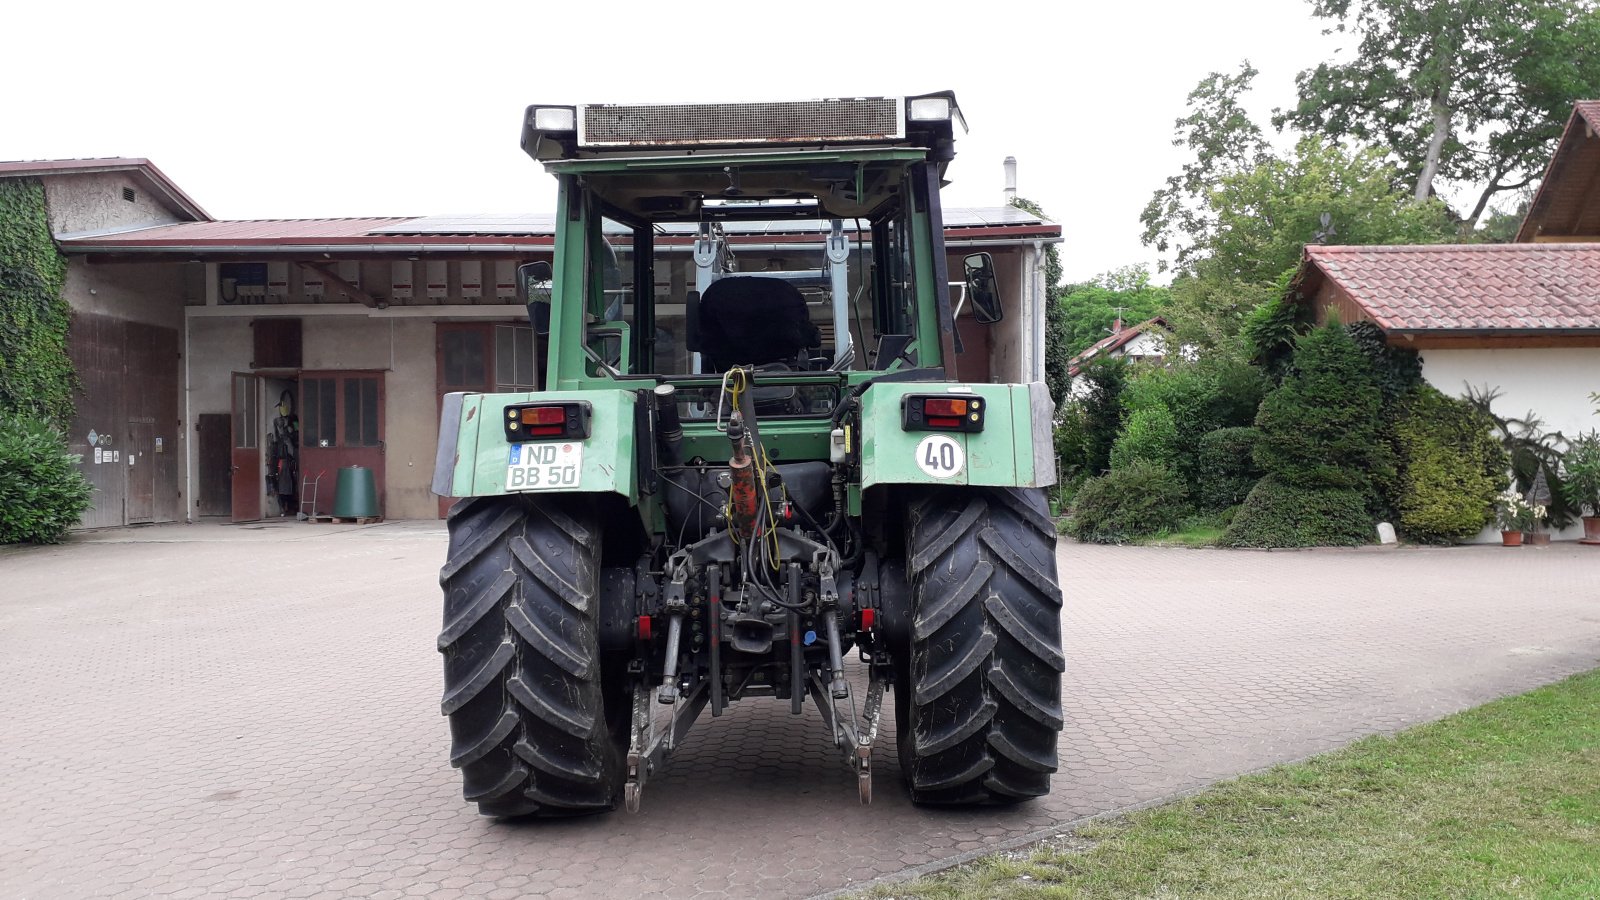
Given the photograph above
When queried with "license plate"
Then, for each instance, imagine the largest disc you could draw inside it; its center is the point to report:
(550, 466)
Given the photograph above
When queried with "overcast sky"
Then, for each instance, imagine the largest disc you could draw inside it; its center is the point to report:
(293, 109)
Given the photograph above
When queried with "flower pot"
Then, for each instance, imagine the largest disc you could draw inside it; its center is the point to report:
(1511, 538)
(1536, 538)
(1591, 530)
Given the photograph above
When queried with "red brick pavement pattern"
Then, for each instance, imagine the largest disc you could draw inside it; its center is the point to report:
(203, 711)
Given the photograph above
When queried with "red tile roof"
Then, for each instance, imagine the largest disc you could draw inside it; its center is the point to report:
(143, 170)
(1590, 110)
(1470, 287)
(1111, 343)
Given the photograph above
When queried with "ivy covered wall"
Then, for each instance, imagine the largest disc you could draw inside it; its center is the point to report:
(35, 374)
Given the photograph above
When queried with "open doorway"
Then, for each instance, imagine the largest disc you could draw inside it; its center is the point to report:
(280, 437)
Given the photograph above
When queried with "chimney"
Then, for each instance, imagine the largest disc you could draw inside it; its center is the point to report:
(1011, 179)
(1116, 327)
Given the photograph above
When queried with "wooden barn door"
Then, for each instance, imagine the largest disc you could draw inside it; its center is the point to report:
(341, 424)
(248, 486)
(141, 464)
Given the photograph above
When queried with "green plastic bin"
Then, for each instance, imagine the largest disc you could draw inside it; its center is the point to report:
(355, 494)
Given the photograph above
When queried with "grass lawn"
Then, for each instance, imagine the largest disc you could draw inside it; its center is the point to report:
(1194, 533)
(1499, 801)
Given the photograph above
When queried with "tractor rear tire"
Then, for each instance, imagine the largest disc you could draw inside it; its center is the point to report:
(522, 670)
(978, 706)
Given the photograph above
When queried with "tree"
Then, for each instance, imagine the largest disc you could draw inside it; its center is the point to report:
(1323, 193)
(1100, 405)
(1089, 311)
(1321, 429)
(1259, 220)
(1471, 91)
(1224, 141)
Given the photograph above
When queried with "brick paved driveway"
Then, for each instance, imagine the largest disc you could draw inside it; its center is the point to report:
(201, 711)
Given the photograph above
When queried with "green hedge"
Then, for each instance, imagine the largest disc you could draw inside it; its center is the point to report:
(35, 374)
(42, 493)
(1278, 514)
(1217, 391)
(1321, 428)
(1139, 500)
(1452, 467)
(1148, 434)
(1227, 469)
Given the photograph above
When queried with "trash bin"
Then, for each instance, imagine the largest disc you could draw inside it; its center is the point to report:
(355, 493)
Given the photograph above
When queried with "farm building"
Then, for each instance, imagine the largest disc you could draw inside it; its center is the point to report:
(194, 337)
(1522, 319)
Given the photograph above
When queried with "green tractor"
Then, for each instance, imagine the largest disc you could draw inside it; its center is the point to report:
(740, 469)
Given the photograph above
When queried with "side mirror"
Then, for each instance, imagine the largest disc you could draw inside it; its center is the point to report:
(981, 288)
(533, 288)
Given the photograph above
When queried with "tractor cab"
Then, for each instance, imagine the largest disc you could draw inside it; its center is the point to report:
(797, 238)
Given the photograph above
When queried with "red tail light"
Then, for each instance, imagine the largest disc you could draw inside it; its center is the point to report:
(942, 412)
(547, 421)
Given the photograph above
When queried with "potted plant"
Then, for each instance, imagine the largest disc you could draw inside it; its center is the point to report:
(1581, 485)
(1515, 515)
(1542, 499)
(1534, 452)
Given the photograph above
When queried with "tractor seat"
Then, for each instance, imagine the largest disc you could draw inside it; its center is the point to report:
(749, 320)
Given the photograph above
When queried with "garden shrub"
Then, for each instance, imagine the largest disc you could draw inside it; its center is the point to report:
(1138, 500)
(1397, 370)
(1270, 331)
(1451, 466)
(1214, 392)
(1279, 514)
(1069, 437)
(1148, 434)
(1240, 388)
(1101, 403)
(1227, 469)
(1321, 427)
(42, 493)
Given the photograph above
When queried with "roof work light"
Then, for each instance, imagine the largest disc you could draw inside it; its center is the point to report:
(555, 118)
(928, 109)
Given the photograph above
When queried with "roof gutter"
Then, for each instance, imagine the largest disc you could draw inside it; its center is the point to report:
(300, 249)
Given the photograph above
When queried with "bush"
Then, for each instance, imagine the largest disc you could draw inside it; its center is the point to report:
(1279, 514)
(1148, 434)
(1321, 427)
(1452, 468)
(1070, 435)
(1581, 468)
(42, 493)
(1397, 370)
(1215, 392)
(1101, 403)
(1136, 501)
(1270, 330)
(1227, 469)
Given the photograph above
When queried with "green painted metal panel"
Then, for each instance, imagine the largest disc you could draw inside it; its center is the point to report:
(1022, 417)
(466, 444)
(608, 454)
(999, 456)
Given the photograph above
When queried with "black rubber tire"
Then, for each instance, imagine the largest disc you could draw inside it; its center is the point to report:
(522, 671)
(978, 704)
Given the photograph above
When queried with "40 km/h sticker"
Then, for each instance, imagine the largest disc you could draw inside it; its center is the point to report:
(940, 456)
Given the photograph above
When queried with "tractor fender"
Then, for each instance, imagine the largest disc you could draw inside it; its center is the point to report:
(474, 451)
(1015, 447)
